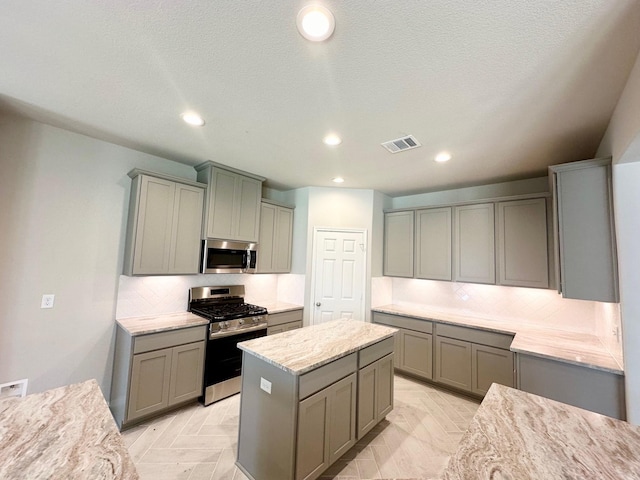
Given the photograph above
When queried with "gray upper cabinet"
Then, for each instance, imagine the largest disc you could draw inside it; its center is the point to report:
(398, 244)
(433, 243)
(584, 231)
(165, 221)
(522, 243)
(232, 207)
(474, 243)
(276, 238)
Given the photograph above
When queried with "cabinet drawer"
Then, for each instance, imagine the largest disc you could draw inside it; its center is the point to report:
(284, 317)
(373, 352)
(324, 376)
(409, 323)
(482, 337)
(156, 341)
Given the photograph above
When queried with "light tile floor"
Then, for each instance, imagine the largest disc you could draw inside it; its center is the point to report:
(415, 440)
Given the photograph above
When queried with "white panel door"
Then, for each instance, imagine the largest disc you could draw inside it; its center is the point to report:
(339, 272)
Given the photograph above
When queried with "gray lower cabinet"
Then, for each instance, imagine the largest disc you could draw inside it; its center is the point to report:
(522, 243)
(416, 353)
(474, 243)
(471, 360)
(433, 243)
(164, 225)
(276, 238)
(583, 387)
(453, 363)
(155, 372)
(491, 365)
(398, 244)
(284, 321)
(413, 349)
(375, 393)
(310, 421)
(584, 233)
(326, 428)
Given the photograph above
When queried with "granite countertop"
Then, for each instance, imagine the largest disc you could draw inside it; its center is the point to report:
(570, 347)
(160, 323)
(517, 435)
(65, 433)
(299, 351)
(280, 307)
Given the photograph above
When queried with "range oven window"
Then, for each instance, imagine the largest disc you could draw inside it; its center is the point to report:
(224, 358)
(224, 258)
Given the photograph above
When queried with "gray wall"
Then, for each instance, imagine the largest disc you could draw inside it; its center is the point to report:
(622, 142)
(63, 214)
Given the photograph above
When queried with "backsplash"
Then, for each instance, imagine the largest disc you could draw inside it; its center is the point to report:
(143, 296)
(530, 306)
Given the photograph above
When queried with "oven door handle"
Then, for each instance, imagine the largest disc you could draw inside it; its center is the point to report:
(237, 331)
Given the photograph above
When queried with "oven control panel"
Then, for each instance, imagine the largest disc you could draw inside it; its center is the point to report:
(234, 327)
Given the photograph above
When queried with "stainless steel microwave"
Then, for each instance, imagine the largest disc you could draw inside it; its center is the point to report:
(221, 256)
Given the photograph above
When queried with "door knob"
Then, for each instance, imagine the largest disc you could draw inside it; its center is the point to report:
(318, 304)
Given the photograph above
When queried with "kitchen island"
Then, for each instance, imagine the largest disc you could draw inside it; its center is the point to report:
(65, 433)
(517, 435)
(309, 394)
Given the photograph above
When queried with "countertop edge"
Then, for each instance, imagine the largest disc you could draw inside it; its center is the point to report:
(501, 329)
(549, 356)
(325, 361)
(164, 328)
(291, 308)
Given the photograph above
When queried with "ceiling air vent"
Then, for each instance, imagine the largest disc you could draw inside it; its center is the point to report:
(401, 144)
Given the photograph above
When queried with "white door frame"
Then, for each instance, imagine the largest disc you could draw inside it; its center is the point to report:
(314, 252)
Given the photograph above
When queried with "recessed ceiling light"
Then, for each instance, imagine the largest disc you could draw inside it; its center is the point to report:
(315, 23)
(332, 139)
(338, 180)
(193, 119)
(443, 157)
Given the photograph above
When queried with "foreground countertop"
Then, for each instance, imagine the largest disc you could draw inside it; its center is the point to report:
(160, 323)
(299, 351)
(569, 347)
(65, 433)
(518, 435)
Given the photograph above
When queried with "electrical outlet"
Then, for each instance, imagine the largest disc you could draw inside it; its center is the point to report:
(47, 300)
(265, 385)
(14, 389)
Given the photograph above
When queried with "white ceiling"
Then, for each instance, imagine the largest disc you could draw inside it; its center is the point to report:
(507, 86)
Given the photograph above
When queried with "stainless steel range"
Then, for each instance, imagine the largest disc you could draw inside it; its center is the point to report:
(230, 321)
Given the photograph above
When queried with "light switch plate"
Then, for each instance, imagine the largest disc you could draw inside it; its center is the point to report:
(265, 385)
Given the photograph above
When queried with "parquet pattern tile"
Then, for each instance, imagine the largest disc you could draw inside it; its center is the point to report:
(414, 441)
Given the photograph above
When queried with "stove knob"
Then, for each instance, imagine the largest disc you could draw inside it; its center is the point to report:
(241, 321)
(224, 324)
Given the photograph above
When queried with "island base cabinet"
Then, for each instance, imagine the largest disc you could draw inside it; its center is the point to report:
(375, 394)
(326, 428)
(583, 387)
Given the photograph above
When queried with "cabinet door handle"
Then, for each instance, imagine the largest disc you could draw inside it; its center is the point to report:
(318, 304)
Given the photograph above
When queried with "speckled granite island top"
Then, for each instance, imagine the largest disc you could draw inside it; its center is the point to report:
(302, 350)
(570, 347)
(517, 435)
(66, 433)
(160, 323)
